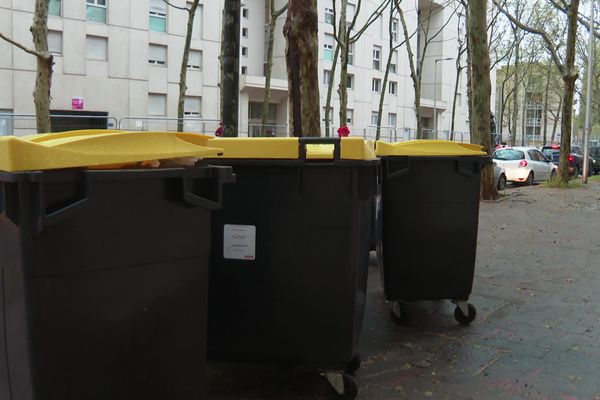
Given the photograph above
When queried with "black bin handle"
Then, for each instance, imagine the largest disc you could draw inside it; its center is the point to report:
(306, 140)
(218, 175)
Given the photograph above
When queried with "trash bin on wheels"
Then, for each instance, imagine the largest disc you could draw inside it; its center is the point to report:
(430, 212)
(289, 257)
(104, 272)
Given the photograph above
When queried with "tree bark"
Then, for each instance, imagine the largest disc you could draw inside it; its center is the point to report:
(230, 74)
(45, 63)
(546, 90)
(515, 116)
(300, 30)
(477, 31)
(267, 96)
(555, 123)
(330, 90)
(184, 65)
(343, 41)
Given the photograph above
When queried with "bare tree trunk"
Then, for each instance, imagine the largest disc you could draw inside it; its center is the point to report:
(300, 30)
(459, 69)
(555, 123)
(45, 63)
(184, 65)
(515, 116)
(387, 73)
(477, 31)
(545, 126)
(414, 74)
(343, 41)
(230, 75)
(330, 90)
(267, 96)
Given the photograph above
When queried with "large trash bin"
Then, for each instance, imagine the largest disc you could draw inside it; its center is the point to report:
(430, 212)
(104, 272)
(289, 257)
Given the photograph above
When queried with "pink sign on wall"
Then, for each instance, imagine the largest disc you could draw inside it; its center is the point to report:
(77, 103)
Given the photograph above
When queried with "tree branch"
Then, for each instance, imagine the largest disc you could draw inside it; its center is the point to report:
(45, 56)
(549, 43)
(177, 7)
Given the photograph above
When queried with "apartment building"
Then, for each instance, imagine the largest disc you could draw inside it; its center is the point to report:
(121, 59)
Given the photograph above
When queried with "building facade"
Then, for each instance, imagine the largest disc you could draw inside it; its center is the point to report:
(120, 59)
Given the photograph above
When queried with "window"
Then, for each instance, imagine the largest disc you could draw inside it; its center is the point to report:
(326, 77)
(157, 104)
(458, 99)
(350, 81)
(157, 54)
(328, 15)
(55, 42)
(376, 85)
(328, 47)
(393, 62)
(195, 60)
(54, 8)
(392, 88)
(392, 120)
(6, 122)
(374, 118)
(245, 51)
(96, 48)
(197, 27)
(95, 10)
(395, 30)
(158, 16)
(192, 106)
(244, 70)
(376, 57)
(349, 116)
(351, 54)
(350, 10)
(245, 12)
(245, 32)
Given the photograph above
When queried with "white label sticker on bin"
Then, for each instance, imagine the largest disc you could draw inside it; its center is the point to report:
(239, 242)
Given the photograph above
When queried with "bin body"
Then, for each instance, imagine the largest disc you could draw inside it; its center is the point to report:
(430, 213)
(300, 297)
(104, 283)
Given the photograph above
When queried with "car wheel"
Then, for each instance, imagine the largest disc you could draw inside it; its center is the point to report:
(502, 182)
(529, 180)
(553, 174)
(576, 173)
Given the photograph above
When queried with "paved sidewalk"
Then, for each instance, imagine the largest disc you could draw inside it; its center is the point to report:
(536, 336)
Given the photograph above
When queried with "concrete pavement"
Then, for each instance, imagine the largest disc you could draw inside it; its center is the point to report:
(537, 332)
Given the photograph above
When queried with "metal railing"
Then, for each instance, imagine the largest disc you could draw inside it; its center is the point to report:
(25, 124)
(199, 125)
(268, 130)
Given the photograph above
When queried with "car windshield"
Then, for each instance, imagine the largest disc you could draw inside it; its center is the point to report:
(508, 154)
(552, 154)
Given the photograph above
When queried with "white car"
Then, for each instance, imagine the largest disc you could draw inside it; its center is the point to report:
(524, 164)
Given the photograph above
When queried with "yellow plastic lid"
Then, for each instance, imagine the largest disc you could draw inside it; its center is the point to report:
(428, 148)
(288, 149)
(93, 148)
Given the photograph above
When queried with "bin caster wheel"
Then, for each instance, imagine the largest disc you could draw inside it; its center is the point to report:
(344, 385)
(398, 312)
(353, 365)
(462, 318)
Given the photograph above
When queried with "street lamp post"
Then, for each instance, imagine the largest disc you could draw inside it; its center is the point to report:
(435, 92)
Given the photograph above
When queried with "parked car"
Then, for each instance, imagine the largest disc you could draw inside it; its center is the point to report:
(524, 164)
(575, 159)
(499, 177)
(595, 156)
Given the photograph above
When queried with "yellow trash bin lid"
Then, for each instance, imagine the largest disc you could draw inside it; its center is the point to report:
(97, 148)
(289, 148)
(428, 148)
